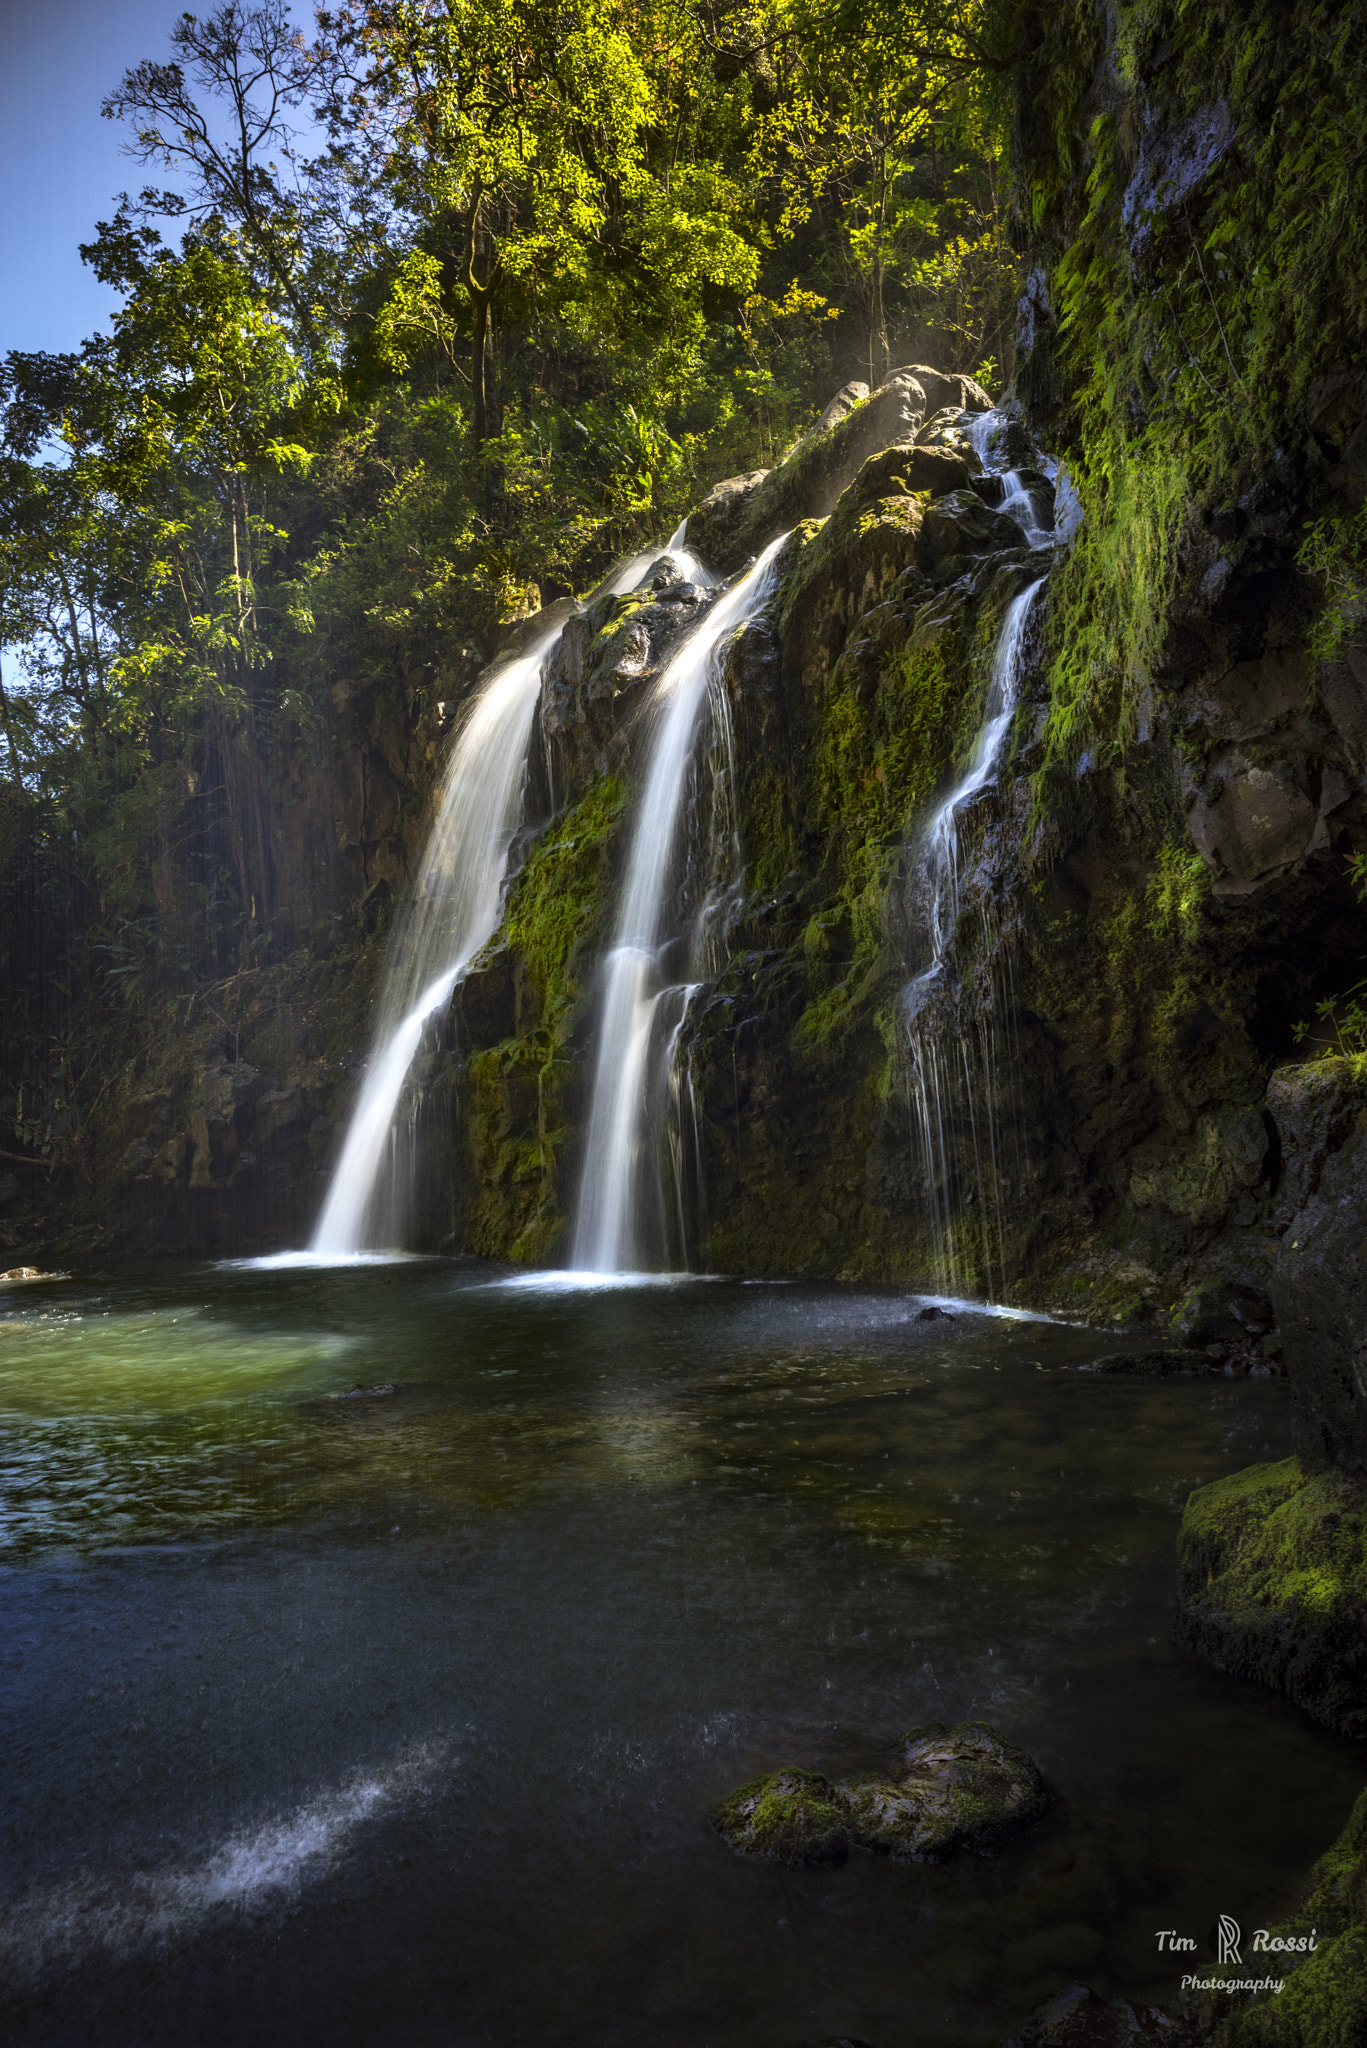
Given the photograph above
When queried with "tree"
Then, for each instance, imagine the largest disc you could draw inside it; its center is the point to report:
(256, 68)
(896, 116)
(516, 142)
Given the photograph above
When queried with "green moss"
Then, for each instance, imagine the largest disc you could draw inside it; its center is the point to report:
(556, 908)
(791, 1815)
(1324, 2002)
(876, 763)
(516, 1114)
(1189, 337)
(1272, 1583)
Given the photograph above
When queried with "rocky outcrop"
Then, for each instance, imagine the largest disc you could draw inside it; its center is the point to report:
(951, 1790)
(743, 514)
(1319, 1281)
(1272, 1585)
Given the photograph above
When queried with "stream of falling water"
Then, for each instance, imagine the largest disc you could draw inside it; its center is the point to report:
(627, 1136)
(958, 1045)
(955, 1060)
(453, 911)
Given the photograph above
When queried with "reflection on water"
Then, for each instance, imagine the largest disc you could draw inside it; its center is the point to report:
(386, 1634)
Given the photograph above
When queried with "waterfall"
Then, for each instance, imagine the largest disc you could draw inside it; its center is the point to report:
(959, 1046)
(452, 912)
(641, 1009)
(955, 1061)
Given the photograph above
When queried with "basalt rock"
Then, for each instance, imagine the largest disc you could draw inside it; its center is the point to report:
(1319, 1282)
(823, 465)
(794, 1816)
(960, 1788)
(1272, 1585)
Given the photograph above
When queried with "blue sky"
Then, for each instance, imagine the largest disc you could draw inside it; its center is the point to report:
(60, 164)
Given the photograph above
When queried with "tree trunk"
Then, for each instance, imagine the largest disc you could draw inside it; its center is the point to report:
(479, 363)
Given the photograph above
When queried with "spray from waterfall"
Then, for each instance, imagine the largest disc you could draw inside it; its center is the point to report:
(453, 911)
(631, 1130)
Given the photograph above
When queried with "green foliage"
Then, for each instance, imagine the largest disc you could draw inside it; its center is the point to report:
(1334, 552)
(1343, 1016)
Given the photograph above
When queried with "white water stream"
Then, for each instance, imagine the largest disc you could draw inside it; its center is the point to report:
(453, 911)
(609, 1234)
(947, 1073)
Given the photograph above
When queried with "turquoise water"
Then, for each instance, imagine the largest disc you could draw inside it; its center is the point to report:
(397, 1717)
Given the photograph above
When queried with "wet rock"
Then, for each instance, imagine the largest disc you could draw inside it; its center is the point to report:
(1147, 1364)
(959, 1788)
(280, 1113)
(933, 1314)
(959, 526)
(1319, 1282)
(1175, 159)
(606, 659)
(846, 399)
(811, 479)
(1201, 1178)
(1080, 2018)
(791, 1815)
(1252, 698)
(1272, 1585)
(1258, 825)
(908, 468)
(710, 524)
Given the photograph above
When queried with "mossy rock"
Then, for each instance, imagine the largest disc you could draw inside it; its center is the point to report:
(960, 1788)
(1272, 1585)
(792, 1815)
(1324, 2003)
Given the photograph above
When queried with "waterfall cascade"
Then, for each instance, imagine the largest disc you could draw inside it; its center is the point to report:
(452, 912)
(958, 1043)
(638, 1121)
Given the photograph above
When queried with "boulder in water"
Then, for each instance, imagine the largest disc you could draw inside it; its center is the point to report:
(792, 1815)
(959, 1788)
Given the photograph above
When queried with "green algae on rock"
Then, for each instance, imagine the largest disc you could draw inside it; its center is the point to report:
(791, 1815)
(1272, 1585)
(961, 1788)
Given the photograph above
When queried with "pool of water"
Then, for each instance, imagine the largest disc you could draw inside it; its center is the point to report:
(396, 1717)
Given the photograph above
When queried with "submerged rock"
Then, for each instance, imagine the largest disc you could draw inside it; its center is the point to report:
(1080, 2018)
(960, 1788)
(1272, 1585)
(791, 1815)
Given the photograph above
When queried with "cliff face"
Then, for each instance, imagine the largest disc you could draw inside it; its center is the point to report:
(1155, 886)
